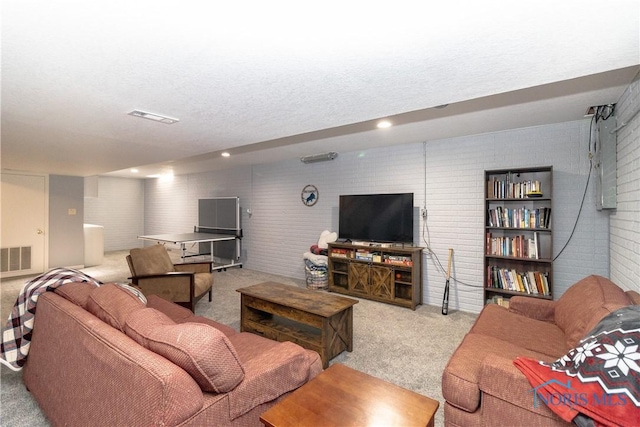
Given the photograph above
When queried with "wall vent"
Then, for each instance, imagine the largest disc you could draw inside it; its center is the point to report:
(15, 259)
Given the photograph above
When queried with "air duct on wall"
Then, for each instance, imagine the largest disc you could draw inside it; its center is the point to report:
(314, 158)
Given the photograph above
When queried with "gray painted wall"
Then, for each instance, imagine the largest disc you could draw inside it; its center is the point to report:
(66, 232)
(119, 208)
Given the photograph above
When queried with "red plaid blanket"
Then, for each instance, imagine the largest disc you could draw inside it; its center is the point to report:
(16, 337)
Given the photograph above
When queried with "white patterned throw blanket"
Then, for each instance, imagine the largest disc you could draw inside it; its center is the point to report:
(16, 337)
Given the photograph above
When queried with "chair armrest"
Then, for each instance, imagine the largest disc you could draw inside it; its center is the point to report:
(534, 308)
(196, 267)
(161, 275)
(268, 376)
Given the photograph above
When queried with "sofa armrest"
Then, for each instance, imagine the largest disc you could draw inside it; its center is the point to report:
(534, 308)
(634, 297)
(500, 378)
(275, 372)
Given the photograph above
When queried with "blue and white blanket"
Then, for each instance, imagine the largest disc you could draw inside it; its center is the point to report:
(16, 337)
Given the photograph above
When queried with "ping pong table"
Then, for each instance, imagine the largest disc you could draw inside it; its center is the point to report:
(184, 239)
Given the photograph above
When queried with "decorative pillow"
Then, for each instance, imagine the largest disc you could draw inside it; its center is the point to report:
(76, 292)
(200, 349)
(112, 304)
(599, 379)
(135, 291)
(327, 237)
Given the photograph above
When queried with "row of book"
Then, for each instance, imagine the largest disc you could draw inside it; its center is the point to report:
(520, 217)
(519, 246)
(371, 256)
(398, 260)
(365, 255)
(529, 282)
(340, 253)
(505, 189)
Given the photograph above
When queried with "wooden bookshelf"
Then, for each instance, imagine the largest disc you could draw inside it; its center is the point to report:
(518, 236)
(386, 274)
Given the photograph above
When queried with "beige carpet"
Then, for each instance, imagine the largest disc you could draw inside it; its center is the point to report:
(405, 347)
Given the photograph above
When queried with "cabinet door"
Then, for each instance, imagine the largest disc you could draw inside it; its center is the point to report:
(381, 279)
(359, 278)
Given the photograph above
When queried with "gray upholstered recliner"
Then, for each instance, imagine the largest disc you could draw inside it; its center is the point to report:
(155, 274)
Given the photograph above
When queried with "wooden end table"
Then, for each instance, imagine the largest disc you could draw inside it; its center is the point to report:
(341, 396)
(315, 320)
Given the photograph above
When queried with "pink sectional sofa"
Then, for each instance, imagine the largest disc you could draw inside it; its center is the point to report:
(482, 386)
(99, 356)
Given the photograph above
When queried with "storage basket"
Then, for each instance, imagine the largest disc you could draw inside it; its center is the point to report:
(317, 279)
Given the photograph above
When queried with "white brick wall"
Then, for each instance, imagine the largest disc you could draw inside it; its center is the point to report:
(625, 220)
(119, 208)
(450, 173)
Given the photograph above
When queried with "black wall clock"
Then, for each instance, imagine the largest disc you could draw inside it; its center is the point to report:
(309, 195)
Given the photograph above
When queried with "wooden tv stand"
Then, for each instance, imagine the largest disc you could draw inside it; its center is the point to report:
(391, 274)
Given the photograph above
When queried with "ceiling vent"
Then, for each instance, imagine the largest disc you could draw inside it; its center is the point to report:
(319, 157)
(152, 116)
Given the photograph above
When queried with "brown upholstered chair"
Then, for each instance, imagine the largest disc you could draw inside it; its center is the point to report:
(155, 274)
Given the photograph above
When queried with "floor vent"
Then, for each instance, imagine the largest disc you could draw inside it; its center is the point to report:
(15, 259)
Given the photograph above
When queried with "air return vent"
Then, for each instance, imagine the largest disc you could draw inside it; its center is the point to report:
(15, 259)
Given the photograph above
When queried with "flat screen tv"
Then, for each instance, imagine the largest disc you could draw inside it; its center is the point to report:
(382, 218)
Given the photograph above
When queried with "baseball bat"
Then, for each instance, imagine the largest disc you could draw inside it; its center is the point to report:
(445, 300)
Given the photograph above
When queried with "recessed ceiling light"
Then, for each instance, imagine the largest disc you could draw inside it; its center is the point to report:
(384, 124)
(152, 116)
(134, 170)
(225, 154)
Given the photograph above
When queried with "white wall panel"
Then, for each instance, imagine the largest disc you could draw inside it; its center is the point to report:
(625, 219)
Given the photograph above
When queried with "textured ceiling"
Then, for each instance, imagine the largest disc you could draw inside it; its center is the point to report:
(273, 80)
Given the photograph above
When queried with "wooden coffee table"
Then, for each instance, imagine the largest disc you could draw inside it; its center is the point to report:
(341, 396)
(315, 320)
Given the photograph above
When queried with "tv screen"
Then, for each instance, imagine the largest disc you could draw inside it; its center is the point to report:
(379, 218)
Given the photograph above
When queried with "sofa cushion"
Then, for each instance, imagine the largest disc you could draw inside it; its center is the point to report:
(203, 282)
(200, 349)
(76, 292)
(585, 303)
(153, 259)
(112, 304)
(537, 335)
(227, 330)
(276, 371)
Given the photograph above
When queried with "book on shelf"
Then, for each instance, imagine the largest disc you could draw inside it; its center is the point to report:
(528, 282)
(505, 188)
(519, 217)
(519, 246)
(499, 300)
